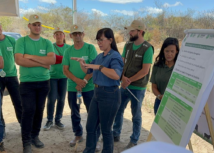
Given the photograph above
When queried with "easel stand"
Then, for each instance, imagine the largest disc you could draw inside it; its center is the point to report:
(210, 125)
(209, 121)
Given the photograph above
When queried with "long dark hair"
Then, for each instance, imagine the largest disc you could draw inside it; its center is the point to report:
(108, 33)
(160, 59)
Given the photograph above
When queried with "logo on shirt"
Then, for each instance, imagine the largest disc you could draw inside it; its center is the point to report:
(145, 45)
(42, 51)
(136, 55)
(10, 49)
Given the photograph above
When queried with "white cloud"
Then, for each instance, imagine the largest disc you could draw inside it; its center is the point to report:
(124, 12)
(122, 1)
(24, 1)
(152, 10)
(48, 1)
(42, 8)
(98, 12)
(172, 5)
(23, 11)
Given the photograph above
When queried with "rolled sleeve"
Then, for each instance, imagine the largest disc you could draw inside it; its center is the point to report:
(117, 65)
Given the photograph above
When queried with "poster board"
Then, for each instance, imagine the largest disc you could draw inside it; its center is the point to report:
(188, 89)
(9, 8)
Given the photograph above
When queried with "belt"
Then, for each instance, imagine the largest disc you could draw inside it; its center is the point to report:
(97, 86)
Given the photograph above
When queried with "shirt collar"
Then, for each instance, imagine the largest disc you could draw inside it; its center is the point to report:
(109, 53)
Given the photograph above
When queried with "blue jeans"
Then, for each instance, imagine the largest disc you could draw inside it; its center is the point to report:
(33, 96)
(136, 113)
(57, 92)
(1, 124)
(156, 105)
(75, 110)
(103, 109)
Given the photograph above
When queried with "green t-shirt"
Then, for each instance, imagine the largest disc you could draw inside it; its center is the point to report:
(89, 53)
(160, 77)
(147, 59)
(56, 71)
(41, 47)
(7, 47)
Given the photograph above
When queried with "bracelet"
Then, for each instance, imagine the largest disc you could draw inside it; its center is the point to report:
(159, 96)
(86, 81)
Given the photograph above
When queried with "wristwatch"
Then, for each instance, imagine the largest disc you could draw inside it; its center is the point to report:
(101, 66)
(159, 96)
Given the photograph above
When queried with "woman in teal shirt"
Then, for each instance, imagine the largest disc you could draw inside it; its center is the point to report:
(58, 83)
(163, 68)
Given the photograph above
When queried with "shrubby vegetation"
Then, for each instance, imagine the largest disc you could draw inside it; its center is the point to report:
(167, 23)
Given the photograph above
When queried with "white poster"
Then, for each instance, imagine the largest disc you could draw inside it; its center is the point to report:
(188, 89)
(9, 7)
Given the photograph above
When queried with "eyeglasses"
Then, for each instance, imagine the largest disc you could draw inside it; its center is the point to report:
(77, 33)
(101, 40)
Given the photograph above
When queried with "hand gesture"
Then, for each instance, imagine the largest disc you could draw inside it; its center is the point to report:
(80, 60)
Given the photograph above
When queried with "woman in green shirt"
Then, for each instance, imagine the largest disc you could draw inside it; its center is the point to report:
(162, 69)
(58, 82)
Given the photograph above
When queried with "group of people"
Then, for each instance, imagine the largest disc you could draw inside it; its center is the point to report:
(106, 81)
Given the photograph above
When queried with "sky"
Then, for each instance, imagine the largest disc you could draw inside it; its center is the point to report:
(123, 7)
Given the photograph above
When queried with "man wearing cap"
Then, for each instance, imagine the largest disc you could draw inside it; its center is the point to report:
(137, 56)
(77, 79)
(34, 54)
(10, 81)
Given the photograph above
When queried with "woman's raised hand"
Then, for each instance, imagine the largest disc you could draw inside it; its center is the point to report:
(81, 60)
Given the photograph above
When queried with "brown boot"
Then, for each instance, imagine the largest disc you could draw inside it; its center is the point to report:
(77, 139)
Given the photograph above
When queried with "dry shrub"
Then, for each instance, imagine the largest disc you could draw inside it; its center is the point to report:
(156, 35)
(118, 37)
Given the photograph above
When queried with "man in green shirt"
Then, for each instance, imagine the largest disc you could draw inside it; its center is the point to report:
(77, 79)
(137, 56)
(34, 54)
(10, 81)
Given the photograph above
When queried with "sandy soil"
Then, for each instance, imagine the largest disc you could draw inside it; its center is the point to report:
(57, 141)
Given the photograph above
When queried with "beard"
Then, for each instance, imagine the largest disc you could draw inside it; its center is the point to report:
(133, 38)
